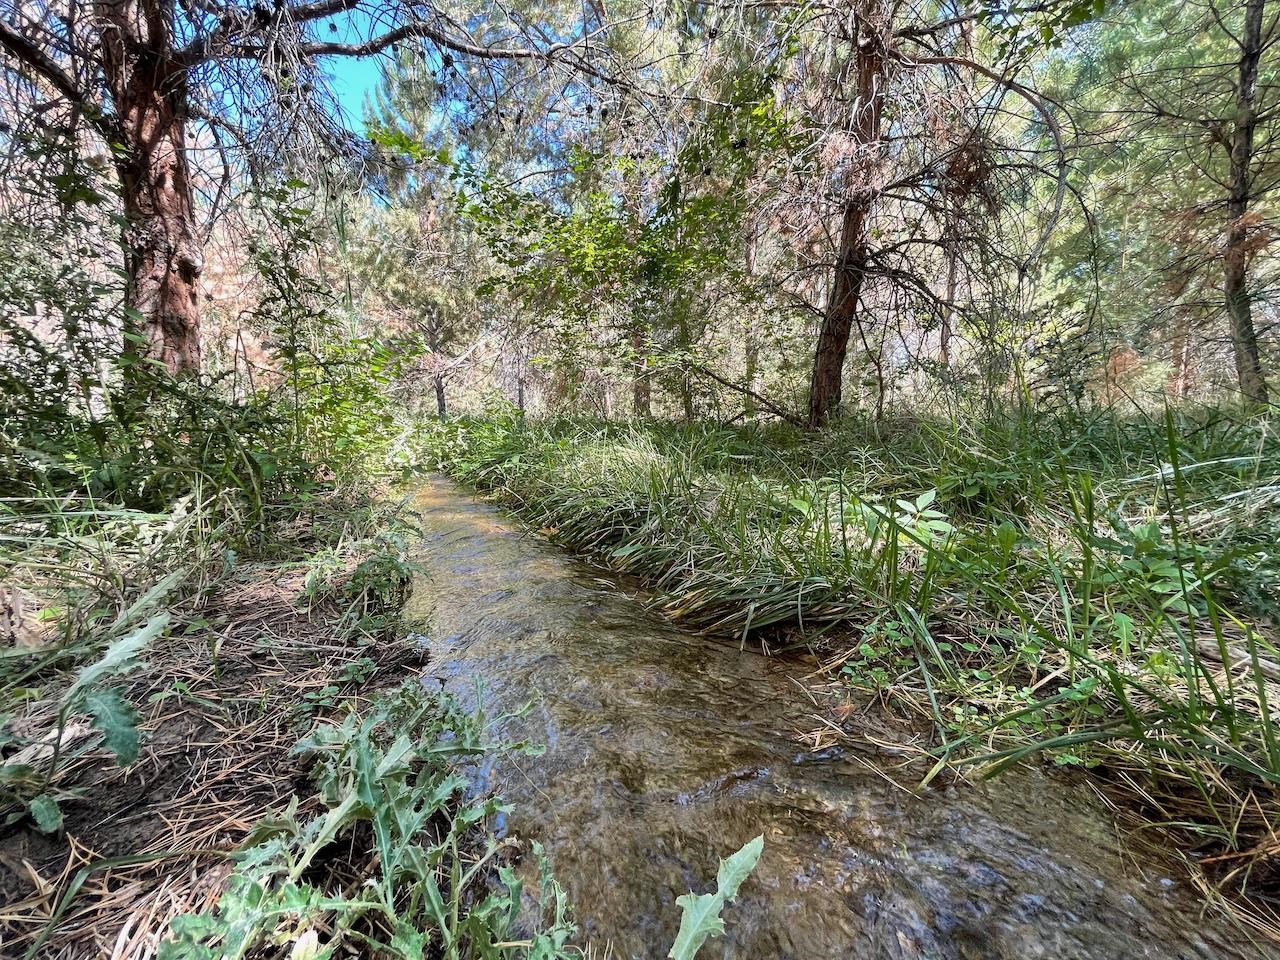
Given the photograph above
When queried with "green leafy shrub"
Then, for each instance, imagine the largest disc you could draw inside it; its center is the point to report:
(435, 885)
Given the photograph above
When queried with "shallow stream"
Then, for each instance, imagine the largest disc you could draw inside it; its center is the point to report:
(666, 751)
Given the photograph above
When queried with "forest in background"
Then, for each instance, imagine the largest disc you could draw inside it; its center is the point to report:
(680, 212)
(936, 338)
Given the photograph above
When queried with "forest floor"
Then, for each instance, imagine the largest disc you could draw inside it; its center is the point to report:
(1086, 590)
(223, 700)
(1095, 593)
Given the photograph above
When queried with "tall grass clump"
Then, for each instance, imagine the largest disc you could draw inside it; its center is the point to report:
(1097, 589)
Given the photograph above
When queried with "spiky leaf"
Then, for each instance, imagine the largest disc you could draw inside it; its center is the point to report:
(701, 912)
(120, 657)
(46, 813)
(118, 721)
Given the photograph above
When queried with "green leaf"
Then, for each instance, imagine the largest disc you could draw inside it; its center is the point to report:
(700, 920)
(408, 942)
(150, 600)
(46, 813)
(701, 912)
(737, 868)
(120, 657)
(118, 721)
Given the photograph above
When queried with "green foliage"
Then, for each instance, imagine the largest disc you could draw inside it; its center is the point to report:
(46, 813)
(1144, 265)
(118, 721)
(354, 674)
(700, 912)
(434, 887)
(1078, 600)
(366, 577)
(335, 395)
(79, 413)
(25, 785)
(638, 260)
(126, 490)
(1045, 25)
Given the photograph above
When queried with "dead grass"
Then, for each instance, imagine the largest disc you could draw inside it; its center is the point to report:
(223, 704)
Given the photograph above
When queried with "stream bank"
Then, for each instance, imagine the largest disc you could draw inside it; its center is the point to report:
(666, 751)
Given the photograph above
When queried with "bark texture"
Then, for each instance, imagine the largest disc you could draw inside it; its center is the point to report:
(148, 87)
(1244, 338)
(853, 247)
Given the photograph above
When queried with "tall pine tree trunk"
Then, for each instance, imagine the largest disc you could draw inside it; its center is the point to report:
(641, 390)
(752, 348)
(1244, 338)
(148, 87)
(853, 247)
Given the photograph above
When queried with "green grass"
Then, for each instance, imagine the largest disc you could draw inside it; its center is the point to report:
(1070, 587)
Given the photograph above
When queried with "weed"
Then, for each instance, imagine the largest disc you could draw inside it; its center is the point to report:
(431, 885)
(433, 880)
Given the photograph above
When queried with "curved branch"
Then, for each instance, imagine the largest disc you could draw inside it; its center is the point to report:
(256, 44)
(764, 401)
(25, 51)
(1041, 107)
(426, 31)
(972, 16)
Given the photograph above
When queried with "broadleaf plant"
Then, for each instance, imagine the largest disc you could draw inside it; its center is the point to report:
(701, 911)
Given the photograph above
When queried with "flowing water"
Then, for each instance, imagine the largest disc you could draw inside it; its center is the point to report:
(666, 751)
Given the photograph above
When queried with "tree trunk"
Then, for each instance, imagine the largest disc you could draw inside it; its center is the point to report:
(853, 248)
(1180, 373)
(680, 310)
(1236, 258)
(752, 349)
(945, 331)
(826, 384)
(641, 394)
(162, 249)
(437, 361)
(442, 409)
(953, 210)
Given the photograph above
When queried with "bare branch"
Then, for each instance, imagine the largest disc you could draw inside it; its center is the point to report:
(26, 52)
(765, 402)
(1051, 123)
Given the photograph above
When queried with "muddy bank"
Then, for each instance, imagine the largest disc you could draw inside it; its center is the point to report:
(666, 751)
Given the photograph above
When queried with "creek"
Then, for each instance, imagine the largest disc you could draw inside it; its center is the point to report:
(666, 750)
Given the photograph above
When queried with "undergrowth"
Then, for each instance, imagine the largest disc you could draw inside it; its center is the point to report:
(112, 572)
(1097, 589)
(399, 863)
(194, 571)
